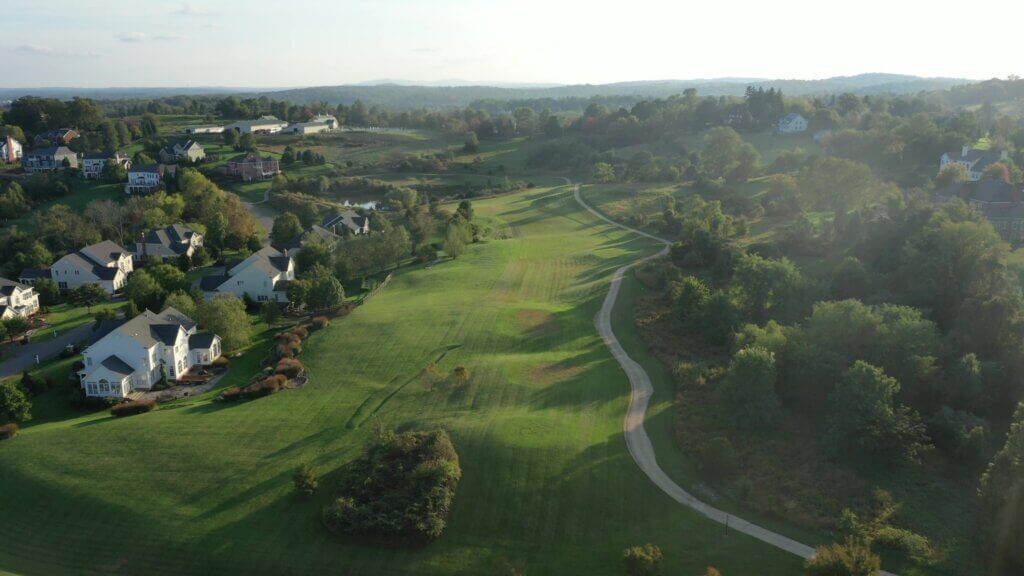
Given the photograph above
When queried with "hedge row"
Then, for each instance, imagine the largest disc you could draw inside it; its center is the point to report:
(132, 408)
(264, 387)
(8, 431)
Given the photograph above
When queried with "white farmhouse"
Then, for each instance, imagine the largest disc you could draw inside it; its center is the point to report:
(131, 357)
(106, 264)
(10, 150)
(263, 277)
(973, 160)
(792, 123)
(93, 164)
(17, 299)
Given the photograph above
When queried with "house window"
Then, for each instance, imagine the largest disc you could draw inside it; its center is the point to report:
(91, 388)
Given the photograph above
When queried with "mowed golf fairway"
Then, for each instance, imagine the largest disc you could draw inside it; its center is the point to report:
(547, 481)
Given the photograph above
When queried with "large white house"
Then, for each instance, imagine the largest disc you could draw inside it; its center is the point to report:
(169, 242)
(130, 358)
(261, 125)
(263, 277)
(93, 164)
(17, 299)
(10, 150)
(106, 264)
(146, 178)
(792, 123)
(973, 160)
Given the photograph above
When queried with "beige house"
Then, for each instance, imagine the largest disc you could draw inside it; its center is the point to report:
(17, 299)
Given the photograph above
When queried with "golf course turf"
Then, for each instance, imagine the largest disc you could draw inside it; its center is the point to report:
(547, 481)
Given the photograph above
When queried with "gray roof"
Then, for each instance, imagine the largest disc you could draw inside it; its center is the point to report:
(984, 190)
(136, 168)
(175, 237)
(7, 287)
(349, 218)
(790, 117)
(103, 253)
(52, 151)
(108, 155)
(268, 259)
(35, 273)
(148, 328)
(117, 366)
(979, 159)
(212, 282)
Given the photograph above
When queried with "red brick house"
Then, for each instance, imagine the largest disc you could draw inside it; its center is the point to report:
(250, 167)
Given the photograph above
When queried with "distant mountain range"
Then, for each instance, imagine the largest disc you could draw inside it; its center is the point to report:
(398, 95)
(441, 94)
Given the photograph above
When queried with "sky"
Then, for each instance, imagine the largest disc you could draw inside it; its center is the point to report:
(290, 43)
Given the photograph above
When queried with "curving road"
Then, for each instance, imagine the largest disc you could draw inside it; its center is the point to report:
(639, 444)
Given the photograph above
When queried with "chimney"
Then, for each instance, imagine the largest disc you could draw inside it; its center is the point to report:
(965, 150)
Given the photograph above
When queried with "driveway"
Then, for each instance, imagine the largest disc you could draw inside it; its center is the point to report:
(263, 213)
(18, 358)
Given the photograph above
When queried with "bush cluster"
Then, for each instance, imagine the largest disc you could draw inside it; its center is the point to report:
(8, 431)
(221, 362)
(289, 367)
(319, 322)
(132, 408)
(402, 488)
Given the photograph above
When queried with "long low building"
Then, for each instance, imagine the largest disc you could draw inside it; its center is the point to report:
(261, 125)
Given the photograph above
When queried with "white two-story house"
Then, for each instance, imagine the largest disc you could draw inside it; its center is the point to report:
(130, 358)
(105, 263)
(263, 277)
(94, 163)
(146, 178)
(973, 160)
(792, 123)
(17, 299)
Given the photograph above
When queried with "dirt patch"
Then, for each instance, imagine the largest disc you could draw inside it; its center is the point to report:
(536, 323)
(551, 373)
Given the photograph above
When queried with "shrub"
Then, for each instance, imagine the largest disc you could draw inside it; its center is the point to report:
(320, 322)
(289, 367)
(8, 431)
(306, 479)
(851, 558)
(288, 345)
(285, 350)
(132, 408)
(265, 387)
(460, 374)
(718, 457)
(231, 394)
(301, 332)
(401, 488)
(221, 362)
(642, 560)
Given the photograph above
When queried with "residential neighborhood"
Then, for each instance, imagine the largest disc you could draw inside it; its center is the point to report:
(168, 242)
(188, 151)
(146, 178)
(105, 264)
(49, 159)
(93, 163)
(140, 353)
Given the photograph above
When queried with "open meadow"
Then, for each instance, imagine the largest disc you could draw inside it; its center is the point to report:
(547, 482)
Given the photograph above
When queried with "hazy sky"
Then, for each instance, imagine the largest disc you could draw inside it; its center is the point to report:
(267, 43)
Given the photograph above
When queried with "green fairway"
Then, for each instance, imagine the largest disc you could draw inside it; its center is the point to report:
(206, 488)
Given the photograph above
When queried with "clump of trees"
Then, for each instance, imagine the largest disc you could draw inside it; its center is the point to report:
(401, 489)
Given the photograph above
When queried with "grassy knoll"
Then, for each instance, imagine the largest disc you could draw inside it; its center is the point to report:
(82, 193)
(64, 317)
(206, 488)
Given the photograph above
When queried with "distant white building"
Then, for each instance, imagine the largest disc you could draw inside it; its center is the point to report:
(792, 123)
(93, 163)
(973, 160)
(11, 150)
(263, 277)
(131, 357)
(106, 264)
(261, 125)
(17, 299)
(204, 130)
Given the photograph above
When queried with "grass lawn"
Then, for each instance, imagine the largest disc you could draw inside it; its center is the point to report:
(82, 193)
(64, 317)
(547, 481)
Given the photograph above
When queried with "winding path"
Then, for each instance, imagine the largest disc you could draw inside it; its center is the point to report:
(639, 444)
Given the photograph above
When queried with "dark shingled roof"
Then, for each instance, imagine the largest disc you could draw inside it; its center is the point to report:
(212, 282)
(117, 366)
(35, 273)
(7, 286)
(201, 341)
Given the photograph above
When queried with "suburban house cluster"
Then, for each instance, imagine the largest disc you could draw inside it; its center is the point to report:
(168, 242)
(145, 350)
